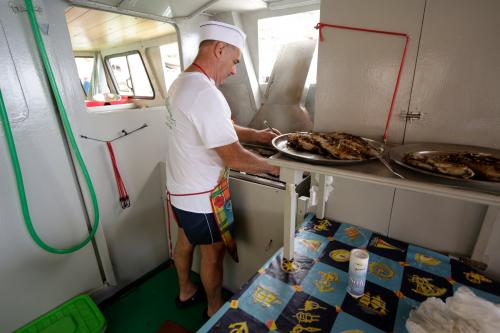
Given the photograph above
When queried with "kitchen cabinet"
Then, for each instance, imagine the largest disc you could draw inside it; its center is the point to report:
(258, 212)
(448, 93)
(356, 76)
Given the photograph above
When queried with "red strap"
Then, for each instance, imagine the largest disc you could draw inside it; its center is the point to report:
(169, 208)
(122, 191)
(201, 69)
(320, 27)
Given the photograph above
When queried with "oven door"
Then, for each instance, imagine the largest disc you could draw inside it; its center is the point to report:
(258, 211)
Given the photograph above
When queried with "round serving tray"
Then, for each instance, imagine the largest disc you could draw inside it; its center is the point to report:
(397, 154)
(281, 144)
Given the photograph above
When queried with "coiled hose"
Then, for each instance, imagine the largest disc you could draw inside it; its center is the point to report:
(70, 137)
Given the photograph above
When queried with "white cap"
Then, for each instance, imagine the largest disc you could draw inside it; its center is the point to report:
(227, 33)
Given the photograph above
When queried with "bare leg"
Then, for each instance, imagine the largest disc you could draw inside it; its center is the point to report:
(183, 259)
(211, 274)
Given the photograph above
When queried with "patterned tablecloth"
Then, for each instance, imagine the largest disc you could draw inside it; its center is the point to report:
(309, 294)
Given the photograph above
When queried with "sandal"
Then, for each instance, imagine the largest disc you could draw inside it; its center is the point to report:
(197, 296)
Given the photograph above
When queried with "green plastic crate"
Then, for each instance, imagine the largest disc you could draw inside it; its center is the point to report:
(78, 315)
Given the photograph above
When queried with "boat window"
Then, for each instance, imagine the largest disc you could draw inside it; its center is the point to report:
(275, 32)
(85, 66)
(171, 62)
(129, 75)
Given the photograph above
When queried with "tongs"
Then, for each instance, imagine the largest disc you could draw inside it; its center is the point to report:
(268, 125)
(388, 166)
(383, 161)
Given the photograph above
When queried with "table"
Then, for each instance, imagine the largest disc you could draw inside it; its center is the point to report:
(374, 172)
(308, 294)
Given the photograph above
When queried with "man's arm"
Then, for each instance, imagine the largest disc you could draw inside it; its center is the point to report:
(236, 157)
(251, 135)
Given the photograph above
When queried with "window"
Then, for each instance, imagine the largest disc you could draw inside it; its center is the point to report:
(274, 32)
(85, 65)
(129, 75)
(171, 62)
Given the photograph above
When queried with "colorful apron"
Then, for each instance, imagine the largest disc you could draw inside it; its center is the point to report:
(220, 200)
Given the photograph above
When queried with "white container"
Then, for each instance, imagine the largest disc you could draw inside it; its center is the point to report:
(358, 267)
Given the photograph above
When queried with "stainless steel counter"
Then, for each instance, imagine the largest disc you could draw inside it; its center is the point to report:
(375, 173)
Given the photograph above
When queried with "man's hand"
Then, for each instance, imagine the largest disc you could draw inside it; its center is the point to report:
(265, 136)
(236, 157)
(250, 135)
(275, 171)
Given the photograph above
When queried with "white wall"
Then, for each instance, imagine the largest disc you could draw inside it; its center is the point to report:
(136, 236)
(452, 45)
(34, 281)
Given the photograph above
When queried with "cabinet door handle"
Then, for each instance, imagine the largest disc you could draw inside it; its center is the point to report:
(411, 115)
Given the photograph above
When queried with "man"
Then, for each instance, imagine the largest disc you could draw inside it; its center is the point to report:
(202, 142)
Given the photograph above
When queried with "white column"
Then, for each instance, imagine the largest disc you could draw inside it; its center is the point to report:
(320, 208)
(291, 177)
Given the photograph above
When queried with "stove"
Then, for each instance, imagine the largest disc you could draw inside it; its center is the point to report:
(260, 178)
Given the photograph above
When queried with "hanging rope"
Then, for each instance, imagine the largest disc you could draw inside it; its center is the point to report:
(320, 27)
(122, 191)
(169, 208)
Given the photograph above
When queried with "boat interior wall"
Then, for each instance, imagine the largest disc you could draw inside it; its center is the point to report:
(136, 236)
(130, 242)
(139, 158)
(189, 39)
(458, 240)
(359, 69)
(242, 90)
(356, 78)
(54, 199)
(458, 75)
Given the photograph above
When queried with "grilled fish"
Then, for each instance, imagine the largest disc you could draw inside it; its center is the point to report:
(444, 163)
(304, 142)
(459, 164)
(486, 166)
(334, 145)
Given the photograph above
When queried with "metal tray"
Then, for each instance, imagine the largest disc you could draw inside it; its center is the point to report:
(397, 154)
(281, 144)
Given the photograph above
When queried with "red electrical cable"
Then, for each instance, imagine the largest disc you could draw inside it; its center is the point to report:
(320, 26)
(122, 191)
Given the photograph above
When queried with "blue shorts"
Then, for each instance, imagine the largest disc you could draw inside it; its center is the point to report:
(200, 228)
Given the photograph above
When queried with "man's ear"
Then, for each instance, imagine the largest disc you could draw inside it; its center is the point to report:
(219, 46)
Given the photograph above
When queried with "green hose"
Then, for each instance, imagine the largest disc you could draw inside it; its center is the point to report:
(70, 137)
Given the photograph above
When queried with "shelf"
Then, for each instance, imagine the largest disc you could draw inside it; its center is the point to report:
(374, 172)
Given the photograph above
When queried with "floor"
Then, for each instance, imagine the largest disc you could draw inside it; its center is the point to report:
(147, 305)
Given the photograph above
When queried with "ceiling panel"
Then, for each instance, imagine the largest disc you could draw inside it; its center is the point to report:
(92, 30)
(73, 13)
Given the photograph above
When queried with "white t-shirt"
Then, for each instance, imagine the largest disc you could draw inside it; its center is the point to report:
(198, 119)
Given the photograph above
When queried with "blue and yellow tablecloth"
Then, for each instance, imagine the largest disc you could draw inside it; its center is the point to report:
(309, 294)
